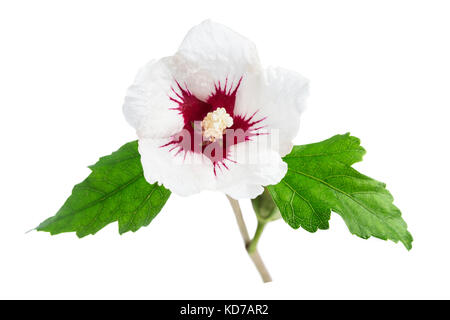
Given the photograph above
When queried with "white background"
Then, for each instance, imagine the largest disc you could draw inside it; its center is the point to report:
(379, 69)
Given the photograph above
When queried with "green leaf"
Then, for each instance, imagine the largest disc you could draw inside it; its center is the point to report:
(116, 190)
(320, 179)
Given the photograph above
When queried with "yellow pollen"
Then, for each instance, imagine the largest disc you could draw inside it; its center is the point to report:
(215, 123)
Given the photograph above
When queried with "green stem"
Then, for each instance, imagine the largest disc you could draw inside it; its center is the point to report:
(254, 255)
(254, 242)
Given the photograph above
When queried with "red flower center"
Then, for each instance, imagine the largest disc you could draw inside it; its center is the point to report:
(194, 111)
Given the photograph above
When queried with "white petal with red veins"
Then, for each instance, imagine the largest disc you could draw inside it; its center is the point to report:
(256, 166)
(147, 106)
(250, 166)
(212, 52)
(183, 173)
(279, 95)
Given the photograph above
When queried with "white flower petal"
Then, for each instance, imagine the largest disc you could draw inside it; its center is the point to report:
(280, 96)
(211, 52)
(147, 106)
(244, 191)
(183, 174)
(256, 166)
(252, 166)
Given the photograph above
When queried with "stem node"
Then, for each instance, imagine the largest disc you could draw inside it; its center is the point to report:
(251, 244)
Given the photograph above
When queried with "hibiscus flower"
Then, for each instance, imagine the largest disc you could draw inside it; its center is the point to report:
(210, 117)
